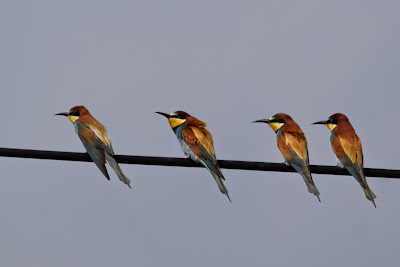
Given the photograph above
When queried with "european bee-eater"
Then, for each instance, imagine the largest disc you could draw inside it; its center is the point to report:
(95, 139)
(293, 145)
(347, 147)
(197, 143)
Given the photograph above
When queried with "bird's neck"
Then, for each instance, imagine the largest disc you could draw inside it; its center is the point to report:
(279, 131)
(178, 130)
(333, 133)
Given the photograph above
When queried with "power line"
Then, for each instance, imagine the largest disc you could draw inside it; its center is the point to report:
(183, 162)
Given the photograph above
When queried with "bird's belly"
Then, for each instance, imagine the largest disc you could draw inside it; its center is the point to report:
(339, 163)
(188, 152)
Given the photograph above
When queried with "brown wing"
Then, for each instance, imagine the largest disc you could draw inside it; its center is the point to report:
(200, 142)
(86, 133)
(349, 149)
(337, 148)
(100, 132)
(348, 146)
(298, 143)
(96, 153)
(294, 141)
(96, 136)
(96, 127)
(191, 140)
(205, 138)
(194, 136)
(359, 153)
(283, 146)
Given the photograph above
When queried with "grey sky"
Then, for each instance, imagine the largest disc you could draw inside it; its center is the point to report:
(227, 63)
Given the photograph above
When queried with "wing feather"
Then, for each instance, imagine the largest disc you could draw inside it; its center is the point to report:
(349, 152)
(97, 155)
(191, 140)
(204, 152)
(338, 148)
(290, 142)
(205, 138)
(96, 137)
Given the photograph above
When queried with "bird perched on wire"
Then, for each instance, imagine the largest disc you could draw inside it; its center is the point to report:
(197, 143)
(95, 139)
(293, 145)
(347, 147)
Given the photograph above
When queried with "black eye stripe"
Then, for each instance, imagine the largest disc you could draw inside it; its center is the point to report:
(74, 113)
(178, 116)
(278, 120)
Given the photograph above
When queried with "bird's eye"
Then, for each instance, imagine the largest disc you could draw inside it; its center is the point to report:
(74, 113)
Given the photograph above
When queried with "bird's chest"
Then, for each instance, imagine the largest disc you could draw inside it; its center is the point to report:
(185, 148)
(76, 127)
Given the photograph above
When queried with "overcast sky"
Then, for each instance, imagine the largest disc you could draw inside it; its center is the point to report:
(227, 63)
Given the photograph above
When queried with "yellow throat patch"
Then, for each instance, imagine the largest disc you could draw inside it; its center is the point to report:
(174, 122)
(331, 127)
(276, 125)
(72, 118)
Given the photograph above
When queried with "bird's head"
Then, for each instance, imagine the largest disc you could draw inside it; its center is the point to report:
(333, 121)
(175, 118)
(74, 113)
(277, 121)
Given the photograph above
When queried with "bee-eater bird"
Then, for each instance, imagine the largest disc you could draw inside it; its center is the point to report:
(95, 139)
(293, 145)
(347, 147)
(197, 143)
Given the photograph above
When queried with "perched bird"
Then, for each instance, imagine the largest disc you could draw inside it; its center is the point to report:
(347, 147)
(95, 139)
(293, 145)
(197, 143)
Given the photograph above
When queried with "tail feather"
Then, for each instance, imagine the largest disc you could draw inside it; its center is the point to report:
(312, 189)
(363, 182)
(221, 185)
(118, 170)
(369, 194)
(305, 173)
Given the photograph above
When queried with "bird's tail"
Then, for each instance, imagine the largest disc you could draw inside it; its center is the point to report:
(363, 182)
(220, 185)
(369, 194)
(312, 188)
(118, 170)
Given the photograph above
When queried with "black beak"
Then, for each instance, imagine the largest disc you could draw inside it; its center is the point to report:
(318, 122)
(63, 114)
(164, 114)
(264, 120)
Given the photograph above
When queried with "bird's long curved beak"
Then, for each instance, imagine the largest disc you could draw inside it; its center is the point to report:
(318, 122)
(164, 114)
(62, 114)
(264, 120)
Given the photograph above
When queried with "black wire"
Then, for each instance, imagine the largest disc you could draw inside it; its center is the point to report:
(183, 162)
